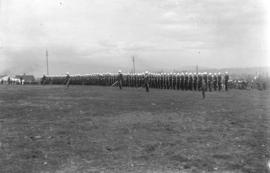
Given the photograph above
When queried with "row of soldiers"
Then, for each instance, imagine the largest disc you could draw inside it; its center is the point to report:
(178, 81)
(174, 81)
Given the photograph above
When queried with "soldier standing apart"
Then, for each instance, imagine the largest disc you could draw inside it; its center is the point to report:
(226, 80)
(204, 86)
(67, 80)
(146, 81)
(43, 79)
(120, 79)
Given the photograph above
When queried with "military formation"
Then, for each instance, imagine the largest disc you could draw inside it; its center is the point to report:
(169, 81)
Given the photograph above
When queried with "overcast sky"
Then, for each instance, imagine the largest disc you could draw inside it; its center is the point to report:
(84, 36)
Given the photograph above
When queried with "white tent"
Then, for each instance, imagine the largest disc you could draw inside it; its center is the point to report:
(13, 80)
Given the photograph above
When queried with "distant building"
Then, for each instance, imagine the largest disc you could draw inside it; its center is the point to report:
(28, 79)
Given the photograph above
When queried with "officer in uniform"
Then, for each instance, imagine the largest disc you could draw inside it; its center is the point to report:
(146, 81)
(43, 79)
(67, 80)
(204, 86)
(120, 79)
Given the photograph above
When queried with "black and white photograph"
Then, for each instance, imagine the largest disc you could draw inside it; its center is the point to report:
(134, 86)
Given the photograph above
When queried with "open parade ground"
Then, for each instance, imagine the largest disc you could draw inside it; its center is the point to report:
(104, 129)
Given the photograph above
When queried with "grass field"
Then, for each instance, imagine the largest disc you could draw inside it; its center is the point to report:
(102, 129)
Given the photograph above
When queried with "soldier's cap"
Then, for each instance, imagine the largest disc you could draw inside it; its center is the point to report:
(119, 71)
(146, 72)
(226, 72)
(67, 73)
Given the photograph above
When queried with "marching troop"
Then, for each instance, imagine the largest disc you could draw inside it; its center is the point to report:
(169, 81)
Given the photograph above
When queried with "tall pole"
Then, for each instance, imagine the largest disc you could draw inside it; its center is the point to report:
(197, 69)
(47, 61)
(133, 60)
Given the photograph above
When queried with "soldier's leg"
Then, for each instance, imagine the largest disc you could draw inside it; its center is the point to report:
(120, 84)
(203, 93)
(68, 82)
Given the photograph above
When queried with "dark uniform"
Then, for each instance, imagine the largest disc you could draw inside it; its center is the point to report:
(205, 80)
(146, 82)
(120, 80)
(195, 81)
(209, 82)
(174, 81)
(182, 81)
(9, 81)
(43, 80)
(167, 78)
(186, 81)
(67, 80)
(190, 82)
(178, 81)
(200, 79)
(219, 81)
(226, 79)
(215, 81)
(204, 86)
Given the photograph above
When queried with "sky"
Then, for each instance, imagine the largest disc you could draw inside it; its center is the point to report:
(85, 36)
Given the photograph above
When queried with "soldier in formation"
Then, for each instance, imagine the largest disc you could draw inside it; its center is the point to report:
(169, 81)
